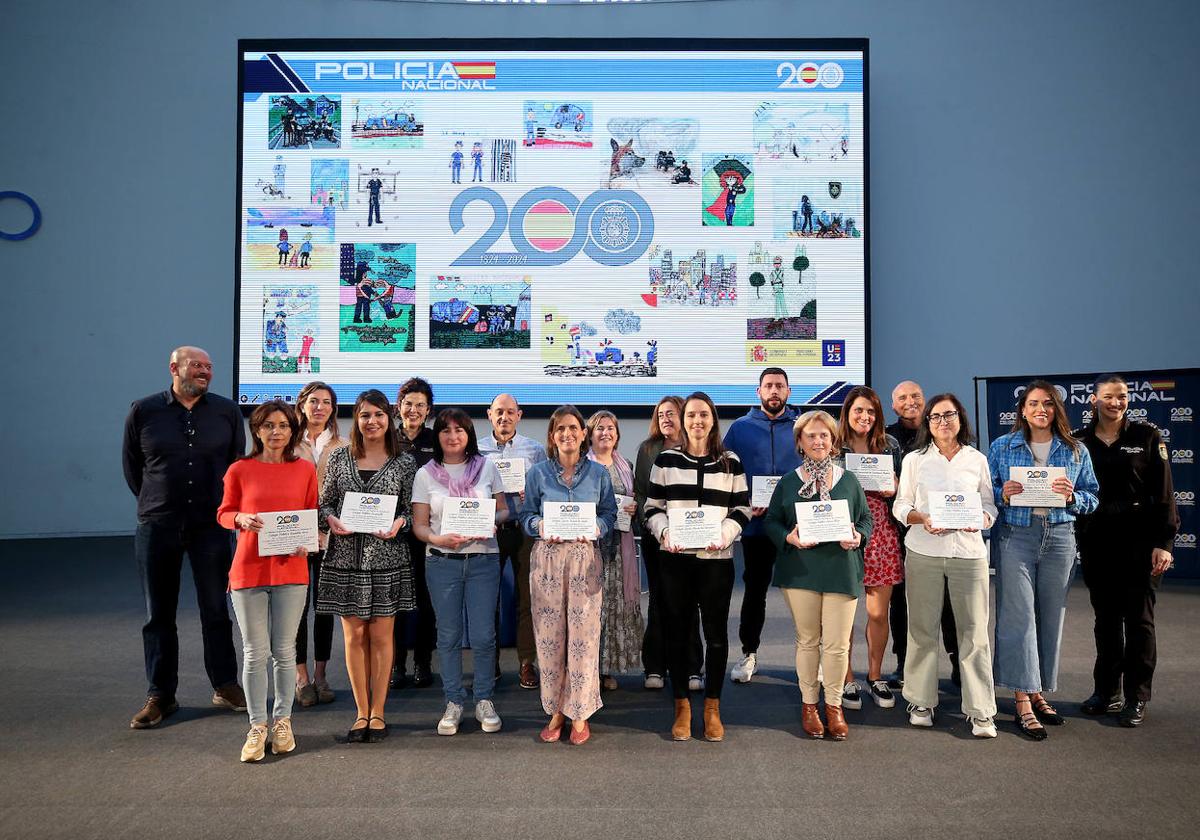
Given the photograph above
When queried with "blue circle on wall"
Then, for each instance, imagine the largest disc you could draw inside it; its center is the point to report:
(33, 207)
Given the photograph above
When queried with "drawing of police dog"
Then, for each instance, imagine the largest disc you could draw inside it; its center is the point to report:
(624, 161)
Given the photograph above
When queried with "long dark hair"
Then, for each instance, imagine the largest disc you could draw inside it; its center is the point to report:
(964, 437)
(461, 419)
(655, 431)
(877, 437)
(260, 415)
(306, 392)
(1060, 427)
(716, 449)
(376, 398)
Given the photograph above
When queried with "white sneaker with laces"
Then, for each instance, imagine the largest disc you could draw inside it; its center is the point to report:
(882, 695)
(851, 698)
(485, 713)
(256, 743)
(448, 725)
(695, 683)
(744, 670)
(983, 727)
(654, 682)
(920, 715)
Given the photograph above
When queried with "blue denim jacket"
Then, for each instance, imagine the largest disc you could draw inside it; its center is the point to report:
(544, 483)
(1011, 450)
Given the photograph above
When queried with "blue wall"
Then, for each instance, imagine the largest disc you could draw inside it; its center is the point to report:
(1034, 178)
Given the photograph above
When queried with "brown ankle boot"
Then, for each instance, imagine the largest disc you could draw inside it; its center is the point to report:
(837, 723)
(681, 730)
(811, 720)
(713, 729)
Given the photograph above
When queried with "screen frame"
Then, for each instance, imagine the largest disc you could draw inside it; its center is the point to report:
(772, 45)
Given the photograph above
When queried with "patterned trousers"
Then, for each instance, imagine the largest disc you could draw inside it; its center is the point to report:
(565, 595)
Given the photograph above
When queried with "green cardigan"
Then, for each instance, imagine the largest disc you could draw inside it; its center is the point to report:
(826, 567)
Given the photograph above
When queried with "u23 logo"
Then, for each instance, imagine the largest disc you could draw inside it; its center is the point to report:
(549, 226)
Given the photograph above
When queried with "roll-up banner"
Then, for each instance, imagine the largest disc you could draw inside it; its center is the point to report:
(1170, 399)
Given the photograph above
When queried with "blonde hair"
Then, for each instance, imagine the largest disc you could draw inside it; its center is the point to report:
(815, 416)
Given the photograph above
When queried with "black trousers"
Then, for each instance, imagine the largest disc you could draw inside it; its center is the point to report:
(159, 551)
(416, 630)
(515, 548)
(322, 622)
(758, 564)
(1122, 592)
(898, 619)
(690, 584)
(656, 641)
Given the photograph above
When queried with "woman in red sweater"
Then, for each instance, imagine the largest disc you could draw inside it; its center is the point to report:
(268, 593)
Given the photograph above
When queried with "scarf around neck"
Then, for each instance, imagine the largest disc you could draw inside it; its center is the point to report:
(820, 477)
(463, 487)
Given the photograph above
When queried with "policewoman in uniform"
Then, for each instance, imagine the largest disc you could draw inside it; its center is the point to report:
(1125, 546)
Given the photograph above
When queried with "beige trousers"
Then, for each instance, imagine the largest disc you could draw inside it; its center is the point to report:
(824, 621)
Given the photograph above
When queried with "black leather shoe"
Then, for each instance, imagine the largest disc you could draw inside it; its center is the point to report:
(1097, 705)
(360, 735)
(422, 676)
(375, 735)
(1133, 714)
(399, 679)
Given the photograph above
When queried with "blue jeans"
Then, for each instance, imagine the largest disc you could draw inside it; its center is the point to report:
(159, 549)
(268, 617)
(1033, 575)
(472, 584)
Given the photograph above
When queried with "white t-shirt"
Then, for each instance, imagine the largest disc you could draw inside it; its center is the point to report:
(429, 491)
(1041, 455)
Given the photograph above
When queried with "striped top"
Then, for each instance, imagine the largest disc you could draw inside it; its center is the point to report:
(680, 480)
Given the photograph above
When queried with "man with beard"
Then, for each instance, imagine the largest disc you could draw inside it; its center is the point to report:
(763, 441)
(908, 401)
(504, 443)
(178, 444)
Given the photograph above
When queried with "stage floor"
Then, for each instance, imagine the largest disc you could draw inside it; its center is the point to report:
(70, 766)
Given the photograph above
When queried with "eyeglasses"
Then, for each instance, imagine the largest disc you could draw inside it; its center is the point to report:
(946, 417)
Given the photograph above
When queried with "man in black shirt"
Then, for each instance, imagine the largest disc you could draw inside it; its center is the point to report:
(178, 444)
(908, 401)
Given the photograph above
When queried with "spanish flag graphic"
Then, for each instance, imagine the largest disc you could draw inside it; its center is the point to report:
(475, 69)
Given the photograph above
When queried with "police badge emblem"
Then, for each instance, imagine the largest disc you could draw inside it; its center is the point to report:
(835, 189)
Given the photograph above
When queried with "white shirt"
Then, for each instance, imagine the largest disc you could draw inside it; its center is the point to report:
(927, 471)
(427, 490)
(318, 446)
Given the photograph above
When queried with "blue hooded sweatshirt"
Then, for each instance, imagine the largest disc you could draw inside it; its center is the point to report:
(765, 447)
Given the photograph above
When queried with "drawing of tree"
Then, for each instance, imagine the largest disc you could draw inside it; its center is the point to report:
(799, 265)
(757, 280)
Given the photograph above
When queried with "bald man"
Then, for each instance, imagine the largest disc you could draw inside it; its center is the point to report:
(504, 443)
(908, 401)
(178, 444)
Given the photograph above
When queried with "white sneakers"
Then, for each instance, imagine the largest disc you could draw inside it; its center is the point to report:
(282, 739)
(882, 695)
(851, 697)
(256, 743)
(654, 682)
(448, 725)
(920, 716)
(983, 727)
(744, 670)
(695, 683)
(485, 713)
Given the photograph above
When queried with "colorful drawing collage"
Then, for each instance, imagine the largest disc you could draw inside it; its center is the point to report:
(547, 239)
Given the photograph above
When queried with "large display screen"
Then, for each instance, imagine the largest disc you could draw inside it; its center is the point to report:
(592, 222)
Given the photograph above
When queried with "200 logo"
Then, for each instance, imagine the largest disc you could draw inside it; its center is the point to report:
(550, 226)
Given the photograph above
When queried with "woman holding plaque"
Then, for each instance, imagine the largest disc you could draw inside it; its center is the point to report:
(268, 592)
(366, 577)
(462, 569)
(861, 432)
(937, 558)
(621, 626)
(317, 404)
(665, 433)
(700, 481)
(821, 578)
(1042, 477)
(565, 573)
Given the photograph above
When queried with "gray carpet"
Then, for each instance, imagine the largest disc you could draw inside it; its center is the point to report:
(71, 613)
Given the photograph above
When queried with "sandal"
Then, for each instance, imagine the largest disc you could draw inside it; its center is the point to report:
(1046, 713)
(359, 735)
(1027, 722)
(376, 734)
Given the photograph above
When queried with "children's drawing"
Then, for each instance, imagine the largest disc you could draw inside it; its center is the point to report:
(304, 122)
(386, 123)
(697, 279)
(290, 330)
(784, 303)
(802, 133)
(377, 298)
(651, 148)
(479, 315)
(557, 123)
(479, 157)
(284, 239)
(329, 182)
(728, 191)
(618, 348)
(828, 208)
